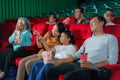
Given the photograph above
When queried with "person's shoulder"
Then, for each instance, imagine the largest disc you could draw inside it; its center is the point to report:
(48, 33)
(85, 21)
(26, 32)
(110, 24)
(111, 36)
(71, 45)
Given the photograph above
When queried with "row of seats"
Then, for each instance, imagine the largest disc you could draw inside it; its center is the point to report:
(91, 8)
(80, 31)
(9, 25)
(100, 7)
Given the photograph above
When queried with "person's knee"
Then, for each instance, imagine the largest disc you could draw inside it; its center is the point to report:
(48, 72)
(48, 65)
(21, 63)
(27, 64)
(67, 76)
(51, 73)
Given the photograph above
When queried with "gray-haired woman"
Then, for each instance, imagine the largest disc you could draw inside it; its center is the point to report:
(20, 38)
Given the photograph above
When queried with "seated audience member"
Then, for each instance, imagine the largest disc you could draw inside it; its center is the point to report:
(60, 52)
(50, 38)
(52, 19)
(78, 17)
(102, 50)
(20, 38)
(109, 16)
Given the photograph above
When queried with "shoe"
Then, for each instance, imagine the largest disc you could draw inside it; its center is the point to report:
(2, 75)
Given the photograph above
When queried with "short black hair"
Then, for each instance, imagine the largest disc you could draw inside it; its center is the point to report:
(61, 27)
(101, 18)
(70, 35)
(81, 9)
(111, 10)
(54, 16)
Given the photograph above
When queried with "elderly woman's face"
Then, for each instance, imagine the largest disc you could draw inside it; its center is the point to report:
(19, 25)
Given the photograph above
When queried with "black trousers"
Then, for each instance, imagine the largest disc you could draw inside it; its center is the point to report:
(7, 57)
(71, 71)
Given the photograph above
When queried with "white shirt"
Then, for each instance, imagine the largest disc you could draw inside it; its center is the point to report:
(109, 23)
(62, 51)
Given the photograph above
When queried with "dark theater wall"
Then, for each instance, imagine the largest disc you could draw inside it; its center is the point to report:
(10, 9)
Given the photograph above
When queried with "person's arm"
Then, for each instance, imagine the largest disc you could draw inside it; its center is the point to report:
(38, 38)
(112, 50)
(69, 59)
(66, 21)
(45, 45)
(39, 45)
(86, 64)
(26, 38)
(12, 38)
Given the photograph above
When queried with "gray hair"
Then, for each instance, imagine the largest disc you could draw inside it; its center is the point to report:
(25, 22)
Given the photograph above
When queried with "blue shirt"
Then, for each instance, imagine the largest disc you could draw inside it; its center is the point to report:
(25, 39)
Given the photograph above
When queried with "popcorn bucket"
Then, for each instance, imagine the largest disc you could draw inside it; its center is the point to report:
(47, 55)
(17, 34)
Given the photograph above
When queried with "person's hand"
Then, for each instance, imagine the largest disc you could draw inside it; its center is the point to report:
(39, 55)
(17, 41)
(17, 28)
(55, 62)
(66, 21)
(36, 33)
(86, 64)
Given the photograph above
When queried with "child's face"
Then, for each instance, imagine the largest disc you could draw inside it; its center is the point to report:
(64, 38)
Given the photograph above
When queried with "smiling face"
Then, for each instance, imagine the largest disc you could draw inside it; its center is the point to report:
(78, 14)
(52, 19)
(64, 39)
(55, 31)
(19, 25)
(96, 25)
(108, 15)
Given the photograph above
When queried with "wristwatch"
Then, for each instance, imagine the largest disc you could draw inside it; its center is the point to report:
(94, 67)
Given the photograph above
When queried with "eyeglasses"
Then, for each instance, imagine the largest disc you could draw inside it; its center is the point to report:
(109, 15)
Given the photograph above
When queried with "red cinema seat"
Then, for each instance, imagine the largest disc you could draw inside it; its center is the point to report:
(116, 20)
(50, 26)
(7, 30)
(81, 33)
